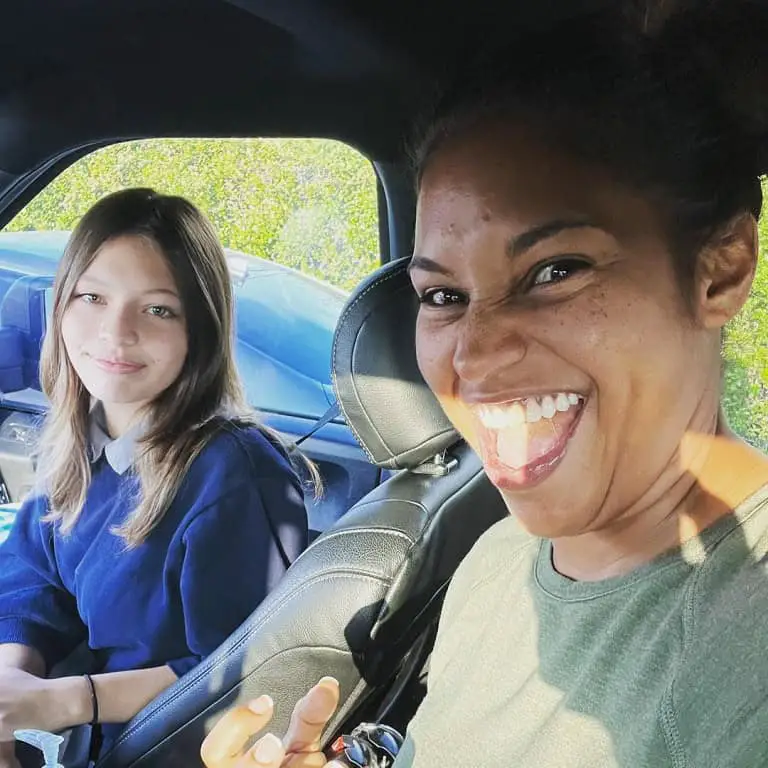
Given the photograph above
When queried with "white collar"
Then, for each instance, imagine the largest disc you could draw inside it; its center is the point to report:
(120, 452)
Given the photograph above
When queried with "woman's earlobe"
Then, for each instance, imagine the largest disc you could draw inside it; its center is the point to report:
(725, 272)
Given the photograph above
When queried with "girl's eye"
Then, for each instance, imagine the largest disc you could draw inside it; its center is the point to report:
(89, 298)
(162, 312)
(557, 271)
(441, 297)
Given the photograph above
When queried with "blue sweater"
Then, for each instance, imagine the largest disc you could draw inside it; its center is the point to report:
(176, 597)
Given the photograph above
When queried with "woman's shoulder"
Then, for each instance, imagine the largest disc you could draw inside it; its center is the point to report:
(727, 603)
(500, 546)
(724, 658)
(736, 551)
(504, 546)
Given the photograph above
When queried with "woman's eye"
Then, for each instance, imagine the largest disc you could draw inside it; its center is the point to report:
(557, 271)
(89, 298)
(161, 312)
(441, 297)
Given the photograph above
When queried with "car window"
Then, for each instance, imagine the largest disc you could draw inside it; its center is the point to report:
(745, 347)
(298, 219)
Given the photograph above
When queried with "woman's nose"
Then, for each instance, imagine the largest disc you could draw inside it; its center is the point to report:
(487, 345)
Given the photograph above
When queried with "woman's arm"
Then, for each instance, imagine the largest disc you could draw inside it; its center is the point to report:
(27, 701)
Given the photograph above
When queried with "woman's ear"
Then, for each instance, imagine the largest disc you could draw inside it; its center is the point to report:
(724, 272)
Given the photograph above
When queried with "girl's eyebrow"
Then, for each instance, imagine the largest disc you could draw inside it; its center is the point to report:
(165, 291)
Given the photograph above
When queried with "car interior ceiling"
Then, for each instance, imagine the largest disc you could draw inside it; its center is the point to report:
(94, 73)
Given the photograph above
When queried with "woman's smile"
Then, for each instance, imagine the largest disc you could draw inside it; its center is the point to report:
(523, 441)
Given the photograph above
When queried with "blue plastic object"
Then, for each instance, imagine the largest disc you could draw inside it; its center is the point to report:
(48, 743)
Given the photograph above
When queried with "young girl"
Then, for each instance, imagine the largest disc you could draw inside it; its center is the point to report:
(160, 489)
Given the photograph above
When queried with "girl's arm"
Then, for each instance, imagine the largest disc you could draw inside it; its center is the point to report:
(36, 609)
(120, 695)
(27, 701)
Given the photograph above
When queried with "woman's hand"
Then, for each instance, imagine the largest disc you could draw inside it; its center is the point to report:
(300, 747)
(27, 701)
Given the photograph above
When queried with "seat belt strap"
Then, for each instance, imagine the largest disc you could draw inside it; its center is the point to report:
(327, 417)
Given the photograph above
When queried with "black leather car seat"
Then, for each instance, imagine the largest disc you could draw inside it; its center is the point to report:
(362, 601)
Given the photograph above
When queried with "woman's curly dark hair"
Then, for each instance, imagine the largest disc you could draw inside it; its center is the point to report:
(670, 98)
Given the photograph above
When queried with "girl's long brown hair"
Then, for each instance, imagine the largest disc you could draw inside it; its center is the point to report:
(206, 397)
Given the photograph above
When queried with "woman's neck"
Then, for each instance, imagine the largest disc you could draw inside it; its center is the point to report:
(716, 473)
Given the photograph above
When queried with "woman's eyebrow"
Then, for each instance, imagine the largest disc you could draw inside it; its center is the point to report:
(523, 242)
(428, 265)
(516, 246)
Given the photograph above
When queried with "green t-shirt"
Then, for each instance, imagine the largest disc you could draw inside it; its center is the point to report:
(665, 666)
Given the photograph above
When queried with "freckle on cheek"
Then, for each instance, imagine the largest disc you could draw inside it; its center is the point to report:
(598, 307)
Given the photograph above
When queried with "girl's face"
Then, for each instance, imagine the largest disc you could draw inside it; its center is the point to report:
(124, 328)
(553, 330)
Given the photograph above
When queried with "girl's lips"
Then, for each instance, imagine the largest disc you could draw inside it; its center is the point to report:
(545, 453)
(117, 366)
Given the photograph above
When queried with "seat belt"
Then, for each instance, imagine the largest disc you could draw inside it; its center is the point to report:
(327, 417)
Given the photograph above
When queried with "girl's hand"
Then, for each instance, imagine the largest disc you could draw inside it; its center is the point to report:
(27, 701)
(299, 748)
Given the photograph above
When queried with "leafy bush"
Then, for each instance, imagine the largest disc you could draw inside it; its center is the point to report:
(307, 203)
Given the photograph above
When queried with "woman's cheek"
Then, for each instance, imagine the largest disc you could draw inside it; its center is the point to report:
(461, 418)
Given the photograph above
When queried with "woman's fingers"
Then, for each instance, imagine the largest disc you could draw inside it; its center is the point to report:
(225, 743)
(267, 752)
(311, 715)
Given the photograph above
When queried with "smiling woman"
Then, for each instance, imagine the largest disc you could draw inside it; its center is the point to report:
(506, 338)
(584, 233)
(586, 228)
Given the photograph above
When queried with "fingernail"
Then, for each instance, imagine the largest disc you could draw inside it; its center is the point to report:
(268, 750)
(331, 680)
(260, 706)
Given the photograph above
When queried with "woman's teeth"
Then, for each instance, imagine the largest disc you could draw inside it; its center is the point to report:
(522, 432)
(528, 410)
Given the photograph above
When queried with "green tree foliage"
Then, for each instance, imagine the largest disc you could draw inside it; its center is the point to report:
(307, 203)
(746, 355)
(312, 205)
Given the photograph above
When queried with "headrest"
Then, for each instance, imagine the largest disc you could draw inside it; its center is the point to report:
(386, 402)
